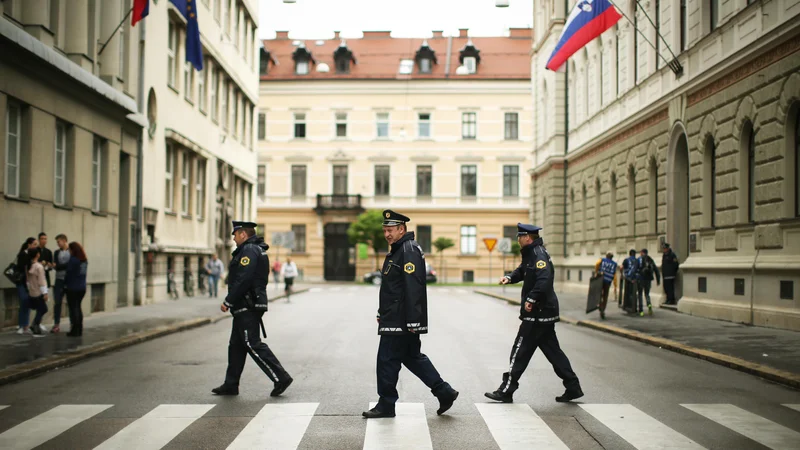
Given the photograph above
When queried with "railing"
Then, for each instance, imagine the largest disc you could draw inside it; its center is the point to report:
(338, 202)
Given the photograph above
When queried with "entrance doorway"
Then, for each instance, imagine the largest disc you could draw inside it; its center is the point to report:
(678, 197)
(340, 264)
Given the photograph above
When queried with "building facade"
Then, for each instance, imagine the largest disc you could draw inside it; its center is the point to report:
(69, 125)
(627, 154)
(199, 147)
(438, 129)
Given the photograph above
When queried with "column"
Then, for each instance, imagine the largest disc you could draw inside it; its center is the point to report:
(76, 37)
(110, 16)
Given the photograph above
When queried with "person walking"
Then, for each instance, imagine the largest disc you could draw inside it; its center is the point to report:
(75, 285)
(288, 272)
(276, 272)
(24, 316)
(37, 290)
(402, 318)
(647, 268)
(214, 269)
(607, 268)
(629, 269)
(539, 314)
(669, 269)
(248, 276)
(60, 259)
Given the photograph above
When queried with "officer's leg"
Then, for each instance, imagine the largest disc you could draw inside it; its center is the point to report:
(390, 356)
(259, 350)
(521, 354)
(548, 342)
(237, 355)
(421, 366)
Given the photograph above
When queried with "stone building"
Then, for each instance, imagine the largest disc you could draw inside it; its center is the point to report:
(628, 155)
(438, 129)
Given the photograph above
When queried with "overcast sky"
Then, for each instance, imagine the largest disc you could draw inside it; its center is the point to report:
(318, 19)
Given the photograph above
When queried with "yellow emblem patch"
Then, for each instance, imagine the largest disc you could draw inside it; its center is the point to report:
(409, 268)
(245, 261)
(541, 265)
(387, 215)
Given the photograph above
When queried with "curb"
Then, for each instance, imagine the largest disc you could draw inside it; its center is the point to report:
(768, 373)
(24, 371)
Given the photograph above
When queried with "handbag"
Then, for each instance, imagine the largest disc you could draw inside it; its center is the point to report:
(14, 275)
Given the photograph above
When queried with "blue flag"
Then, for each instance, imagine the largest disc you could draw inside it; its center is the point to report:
(194, 50)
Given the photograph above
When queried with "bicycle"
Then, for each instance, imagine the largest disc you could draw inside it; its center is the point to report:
(188, 284)
(172, 289)
(202, 278)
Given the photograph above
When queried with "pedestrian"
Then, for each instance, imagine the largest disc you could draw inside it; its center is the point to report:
(46, 258)
(607, 268)
(669, 269)
(24, 316)
(37, 290)
(60, 260)
(75, 285)
(276, 272)
(402, 318)
(248, 275)
(288, 272)
(629, 270)
(214, 269)
(539, 314)
(647, 268)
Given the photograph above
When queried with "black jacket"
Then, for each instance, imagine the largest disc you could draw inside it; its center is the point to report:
(537, 274)
(643, 262)
(669, 265)
(248, 274)
(46, 257)
(22, 265)
(403, 298)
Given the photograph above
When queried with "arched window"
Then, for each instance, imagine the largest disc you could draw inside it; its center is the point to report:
(747, 169)
(652, 180)
(612, 203)
(631, 202)
(597, 209)
(710, 177)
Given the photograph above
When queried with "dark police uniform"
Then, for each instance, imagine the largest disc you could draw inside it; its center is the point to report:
(248, 274)
(402, 317)
(538, 313)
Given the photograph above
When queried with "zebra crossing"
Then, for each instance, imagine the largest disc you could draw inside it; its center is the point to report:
(512, 427)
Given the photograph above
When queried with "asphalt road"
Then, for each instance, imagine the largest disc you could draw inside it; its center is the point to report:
(156, 394)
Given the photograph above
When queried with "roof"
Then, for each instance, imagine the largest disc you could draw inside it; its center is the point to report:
(378, 56)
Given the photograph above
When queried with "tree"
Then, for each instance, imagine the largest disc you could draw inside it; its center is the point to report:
(441, 244)
(368, 229)
(516, 249)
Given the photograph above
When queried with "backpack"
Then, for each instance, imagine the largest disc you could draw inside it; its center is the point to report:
(646, 269)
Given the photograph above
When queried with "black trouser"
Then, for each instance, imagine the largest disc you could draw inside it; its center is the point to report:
(74, 299)
(245, 339)
(669, 289)
(530, 337)
(644, 291)
(404, 349)
(40, 306)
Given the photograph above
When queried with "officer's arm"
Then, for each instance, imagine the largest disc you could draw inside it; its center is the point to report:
(414, 283)
(516, 275)
(245, 275)
(543, 283)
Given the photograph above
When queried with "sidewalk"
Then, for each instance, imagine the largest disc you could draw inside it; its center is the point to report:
(766, 352)
(24, 355)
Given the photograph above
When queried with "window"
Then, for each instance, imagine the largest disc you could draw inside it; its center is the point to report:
(469, 181)
(226, 16)
(711, 176)
(225, 113)
(218, 9)
(713, 14)
(424, 125)
(214, 92)
(235, 106)
(382, 122)
(301, 67)
(299, 125)
(469, 240)
(341, 125)
(298, 181)
(299, 238)
(382, 180)
(340, 180)
(683, 25)
(512, 126)
(236, 36)
(751, 175)
(510, 232)
(262, 126)
(201, 87)
(406, 66)
(200, 189)
(468, 276)
(423, 236)
(424, 65)
(342, 65)
(13, 154)
(170, 177)
(424, 178)
(185, 174)
(172, 46)
(471, 64)
(188, 82)
(263, 62)
(468, 125)
(510, 181)
(262, 180)
(97, 172)
(60, 164)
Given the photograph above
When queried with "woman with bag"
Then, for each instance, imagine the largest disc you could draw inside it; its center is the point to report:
(37, 290)
(75, 284)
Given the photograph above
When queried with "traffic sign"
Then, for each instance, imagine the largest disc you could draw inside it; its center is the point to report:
(490, 243)
(504, 246)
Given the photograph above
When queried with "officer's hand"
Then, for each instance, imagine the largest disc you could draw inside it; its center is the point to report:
(411, 330)
(223, 308)
(504, 280)
(528, 306)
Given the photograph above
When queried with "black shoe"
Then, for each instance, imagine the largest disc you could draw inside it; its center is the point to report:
(281, 386)
(375, 413)
(569, 395)
(226, 390)
(500, 397)
(446, 400)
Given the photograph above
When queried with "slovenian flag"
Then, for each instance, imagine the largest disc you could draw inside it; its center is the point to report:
(141, 8)
(589, 19)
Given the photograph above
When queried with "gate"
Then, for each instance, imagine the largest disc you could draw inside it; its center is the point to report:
(340, 256)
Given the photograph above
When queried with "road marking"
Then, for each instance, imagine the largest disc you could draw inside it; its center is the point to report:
(638, 428)
(755, 427)
(336, 289)
(444, 290)
(461, 291)
(276, 427)
(406, 431)
(517, 427)
(40, 429)
(794, 407)
(156, 428)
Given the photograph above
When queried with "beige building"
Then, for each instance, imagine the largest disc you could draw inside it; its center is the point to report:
(438, 129)
(199, 148)
(68, 150)
(627, 154)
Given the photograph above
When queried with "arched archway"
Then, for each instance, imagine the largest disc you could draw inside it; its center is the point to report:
(678, 191)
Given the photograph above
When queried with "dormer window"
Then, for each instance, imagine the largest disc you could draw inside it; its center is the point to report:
(343, 57)
(302, 60)
(470, 57)
(301, 68)
(470, 64)
(425, 58)
(263, 61)
(424, 65)
(406, 66)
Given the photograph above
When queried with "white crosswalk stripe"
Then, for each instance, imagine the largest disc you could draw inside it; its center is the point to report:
(156, 428)
(444, 290)
(794, 407)
(638, 428)
(409, 430)
(517, 427)
(276, 427)
(2, 407)
(46, 426)
(315, 290)
(461, 291)
(755, 427)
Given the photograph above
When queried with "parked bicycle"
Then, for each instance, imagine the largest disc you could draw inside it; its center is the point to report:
(172, 287)
(188, 284)
(202, 277)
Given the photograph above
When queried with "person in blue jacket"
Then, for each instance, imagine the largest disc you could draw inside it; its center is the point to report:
(75, 286)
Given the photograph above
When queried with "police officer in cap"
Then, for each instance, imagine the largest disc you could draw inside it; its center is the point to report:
(402, 317)
(248, 274)
(538, 313)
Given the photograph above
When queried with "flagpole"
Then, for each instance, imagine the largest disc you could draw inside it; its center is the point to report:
(115, 31)
(677, 68)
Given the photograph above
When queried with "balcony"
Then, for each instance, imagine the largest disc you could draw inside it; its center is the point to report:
(338, 202)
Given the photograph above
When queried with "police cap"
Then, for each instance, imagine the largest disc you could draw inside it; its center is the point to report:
(237, 225)
(524, 228)
(392, 219)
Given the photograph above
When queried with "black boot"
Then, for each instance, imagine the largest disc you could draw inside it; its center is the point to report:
(375, 413)
(226, 390)
(500, 396)
(570, 394)
(281, 386)
(446, 397)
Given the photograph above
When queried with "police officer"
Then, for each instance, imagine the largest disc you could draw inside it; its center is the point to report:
(538, 313)
(402, 317)
(248, 274)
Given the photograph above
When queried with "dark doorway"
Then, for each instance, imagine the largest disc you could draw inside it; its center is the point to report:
(126, 232)
(340, 263)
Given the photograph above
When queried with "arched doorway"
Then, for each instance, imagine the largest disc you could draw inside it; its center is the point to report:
(678, 196)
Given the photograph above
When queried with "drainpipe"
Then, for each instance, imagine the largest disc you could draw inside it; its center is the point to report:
(137, 280)
(752, 282)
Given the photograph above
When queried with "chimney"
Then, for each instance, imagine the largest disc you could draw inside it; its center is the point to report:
(336, 35)
(520, 33)
(462, 32)
(437, 34)
(377, 34)
(282, 35)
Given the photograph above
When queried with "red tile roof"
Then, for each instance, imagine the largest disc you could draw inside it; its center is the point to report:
(378, 56)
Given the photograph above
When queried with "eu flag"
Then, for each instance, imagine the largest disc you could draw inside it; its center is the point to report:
(194, 51)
